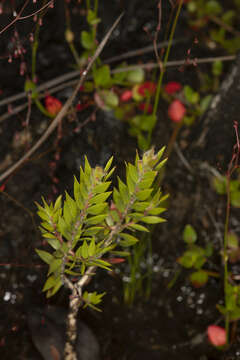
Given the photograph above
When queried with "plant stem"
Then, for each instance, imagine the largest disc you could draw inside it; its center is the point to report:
(42, 108)
(163, 67)
(96, 7)
(88, 4)
(173, 137)
(35, 43)
(225, 255)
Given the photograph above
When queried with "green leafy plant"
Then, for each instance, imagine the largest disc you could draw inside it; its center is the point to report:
(84, 229)
(220, 186)
(231, 309)
(195, 257)
(204, 13)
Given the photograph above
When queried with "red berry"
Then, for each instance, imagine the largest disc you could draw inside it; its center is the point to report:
(145, 107)
(176, 111)
(2, 187)
(81, 107)
(216, 335)
(126, 95)
(53, 105)
(147, 88)
(172, 87)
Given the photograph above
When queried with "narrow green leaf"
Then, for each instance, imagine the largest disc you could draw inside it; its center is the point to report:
(130, 183)
(50, 283)
(55, 289)
(55, 264)
(84, 250)
(43, 215)
(70, 272)
(144, 194)
(58, 203)
(117, 199)
(54, 243)
(100, 198)
(48, 235)
(45, 256)
(71, 204)
(47, 226)
(123, 190)
(139, 227)
(92, 230)
(101, 187)
(133, 172)
(96, 209)
(108, 165)
(121, 253)
(87, 167)
(141, 206)
(156, 211)
(128, 240)
(83, 267)
(64, 228)
(161, 164)
(109, 174)
(152, 219)
(92, 247)
(67, 214)
(102, 264)
(98, 219)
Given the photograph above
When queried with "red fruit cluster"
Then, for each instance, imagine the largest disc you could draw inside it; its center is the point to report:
(52, 105)
(216, 335)
(146, 107)
(126, 95)
(176, 111)
(172, 87)
(147, 88)
(81, 107)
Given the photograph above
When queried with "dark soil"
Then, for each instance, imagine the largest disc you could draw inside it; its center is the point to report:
(172, 323)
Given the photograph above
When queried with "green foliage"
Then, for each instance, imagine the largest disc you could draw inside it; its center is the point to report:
(136, 76)
(189, 234)
(102, 76)
(195, 257)
(233, 248)
(92, 18)
(232, 305)
(208, 14)
(83, 228)
(191, 96)
(87, 40)
(220, 186)
(30, 86)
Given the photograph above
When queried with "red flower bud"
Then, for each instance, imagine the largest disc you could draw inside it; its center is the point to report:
(2, 187)
(147, 88)
(176, 111)
(172, 87)
(126, 95)
(216, 335)
(146, 107)
(81, 107)
(53, 105)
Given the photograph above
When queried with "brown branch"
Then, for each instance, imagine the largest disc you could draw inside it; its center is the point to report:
(72, 74)
(19, 17)
(64, 109)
